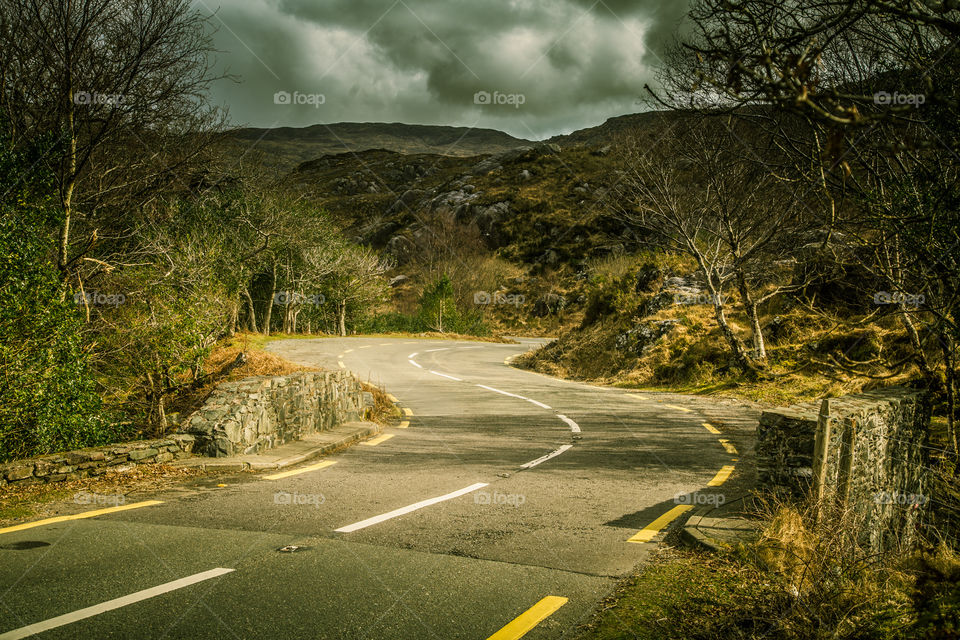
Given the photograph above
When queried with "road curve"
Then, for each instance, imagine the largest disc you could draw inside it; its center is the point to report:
(505, 501)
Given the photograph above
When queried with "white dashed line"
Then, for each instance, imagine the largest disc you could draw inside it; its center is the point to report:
(552, 454)
(574, 427)
(415, 364)
(413, 507)
(443, 375)
(110, 605)
(513, 395)
(413, 355)
(440, 349)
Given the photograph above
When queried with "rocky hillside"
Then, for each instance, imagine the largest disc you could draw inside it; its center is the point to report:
(285, 147)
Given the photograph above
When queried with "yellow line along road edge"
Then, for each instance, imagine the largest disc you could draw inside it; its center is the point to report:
(650, 531)
(80, 516)
(313, 467)
(522, 624)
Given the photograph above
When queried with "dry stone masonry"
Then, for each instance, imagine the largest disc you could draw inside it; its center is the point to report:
(97, 461)
(263, 412)
(864, 453)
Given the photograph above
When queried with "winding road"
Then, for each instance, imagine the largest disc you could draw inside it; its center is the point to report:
(505, 504)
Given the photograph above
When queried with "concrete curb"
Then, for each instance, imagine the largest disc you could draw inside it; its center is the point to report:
(691, 535)
(694, 532)
(353, 432)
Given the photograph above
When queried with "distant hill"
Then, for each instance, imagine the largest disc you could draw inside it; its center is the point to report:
(603, 134)
(287, 147)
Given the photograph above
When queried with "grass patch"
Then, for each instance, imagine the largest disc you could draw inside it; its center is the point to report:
(680, 594)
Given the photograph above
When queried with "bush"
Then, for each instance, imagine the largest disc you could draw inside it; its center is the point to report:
(48, 401)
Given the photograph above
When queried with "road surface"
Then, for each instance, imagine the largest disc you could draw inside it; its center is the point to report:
(506, 502)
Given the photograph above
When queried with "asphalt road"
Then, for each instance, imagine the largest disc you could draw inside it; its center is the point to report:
(502, 488)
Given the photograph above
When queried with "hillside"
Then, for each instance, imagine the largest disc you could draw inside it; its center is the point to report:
(285, 147)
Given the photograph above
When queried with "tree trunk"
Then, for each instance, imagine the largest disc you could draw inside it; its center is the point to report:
(915, 342)
(251, 311)
(342, 318)
(234, 315)
(750, 308)
(273, 292)
(947, 346)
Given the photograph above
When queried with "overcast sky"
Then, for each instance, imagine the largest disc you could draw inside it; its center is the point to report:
(532, 68)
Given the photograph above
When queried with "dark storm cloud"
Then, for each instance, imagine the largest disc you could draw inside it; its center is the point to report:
(529, 67)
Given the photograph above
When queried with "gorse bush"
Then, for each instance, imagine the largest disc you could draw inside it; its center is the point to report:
(48, 401)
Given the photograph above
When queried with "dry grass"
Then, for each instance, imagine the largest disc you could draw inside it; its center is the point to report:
(24, 501)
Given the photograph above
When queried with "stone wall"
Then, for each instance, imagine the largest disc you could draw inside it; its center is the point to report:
(262, 412)
(96, 461)
(864, 453)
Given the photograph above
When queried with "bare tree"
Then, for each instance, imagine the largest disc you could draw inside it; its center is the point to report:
(737, 222)
(115, 86)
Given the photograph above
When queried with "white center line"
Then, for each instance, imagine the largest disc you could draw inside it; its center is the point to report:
(440, 349)
(574, 427)
(404, 510)
(413, 362)
(513, 395)
(443, 375)
(110, 605)
(552, 454)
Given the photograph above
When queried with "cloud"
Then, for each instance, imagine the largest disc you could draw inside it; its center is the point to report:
(574, 62)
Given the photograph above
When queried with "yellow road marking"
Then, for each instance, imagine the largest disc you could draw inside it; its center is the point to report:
(378, 440)
(712, 429)
(313, 467)
(522, 624)
(729, 448)
(404, 424)
(407, 411)
(648, 532)
(673, 406)
(721, 476)
(392, 398)
(79, 516)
